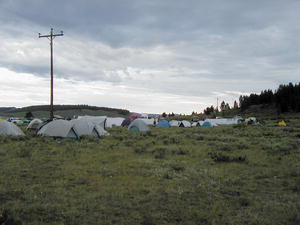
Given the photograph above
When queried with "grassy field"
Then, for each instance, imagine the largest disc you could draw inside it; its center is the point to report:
(220, 175)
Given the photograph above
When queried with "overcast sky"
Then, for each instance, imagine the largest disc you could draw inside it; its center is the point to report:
(147, 55)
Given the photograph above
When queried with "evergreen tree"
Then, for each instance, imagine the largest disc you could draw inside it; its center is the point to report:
(235, 105)
(29, 115)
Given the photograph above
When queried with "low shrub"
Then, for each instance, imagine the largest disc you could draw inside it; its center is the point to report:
(179, 151)
(159, 153)
(222, 157)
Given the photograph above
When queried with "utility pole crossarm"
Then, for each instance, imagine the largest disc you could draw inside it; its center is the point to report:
(41, 36)
(51, 36)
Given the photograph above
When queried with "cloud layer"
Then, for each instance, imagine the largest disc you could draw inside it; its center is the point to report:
(148, 56)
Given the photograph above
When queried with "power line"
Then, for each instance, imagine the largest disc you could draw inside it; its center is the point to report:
(51, 36)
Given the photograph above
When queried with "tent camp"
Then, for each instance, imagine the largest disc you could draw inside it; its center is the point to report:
(174, 123)
(114, 122)
(34, 124)
(100, 120)
(138, 125)
(163, 124)
(84, 127)
(8, 128)
(184, 123)
(126, 122)
(59, 128)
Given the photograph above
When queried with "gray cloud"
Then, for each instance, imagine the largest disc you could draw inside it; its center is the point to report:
(183, 48)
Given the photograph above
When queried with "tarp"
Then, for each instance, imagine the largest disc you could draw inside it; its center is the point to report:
(59, 128)
(114, 122)
(163, 124)
(138, 125)
(8, 128)
(34, 124)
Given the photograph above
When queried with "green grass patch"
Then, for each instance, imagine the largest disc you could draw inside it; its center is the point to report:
(220, 175)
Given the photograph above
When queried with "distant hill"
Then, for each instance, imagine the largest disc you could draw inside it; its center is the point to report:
(42, 111)
(7, 109)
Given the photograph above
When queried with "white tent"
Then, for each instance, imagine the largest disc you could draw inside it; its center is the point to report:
(85, 127)
(138, 125)
(174, 123)
(59, 128)
(8, 128)
(184, 123)
(251, 120)
(149, 122)
(34, 124)
(114, 122)
(197, 124)
(100, 120)
(224, 121)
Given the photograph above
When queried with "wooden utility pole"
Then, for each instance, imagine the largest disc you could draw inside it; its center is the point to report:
(51, 36)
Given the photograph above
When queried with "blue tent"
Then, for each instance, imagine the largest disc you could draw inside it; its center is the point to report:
(207, 124)
(163, 124)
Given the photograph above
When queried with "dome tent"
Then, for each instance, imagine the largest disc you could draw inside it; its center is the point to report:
(163, 124)
(114, 122)
(34, 124)
(100, 120)
(126, 122)
(138, 125)
(197, 124)
(149, 122)
(208, 124)
(59, 128)
(184, 123)
(174, 123)
(8, 128)
(225, 121)
(282, 123)
(85, 127)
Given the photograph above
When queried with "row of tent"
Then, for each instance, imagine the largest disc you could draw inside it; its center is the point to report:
(184, 123)
(92, 125)
(109, 122)
(59, 128)
(141, 125)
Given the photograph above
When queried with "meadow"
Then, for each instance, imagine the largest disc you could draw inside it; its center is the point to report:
(220, 175)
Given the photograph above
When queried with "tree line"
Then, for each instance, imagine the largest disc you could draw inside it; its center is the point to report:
(286, 98)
